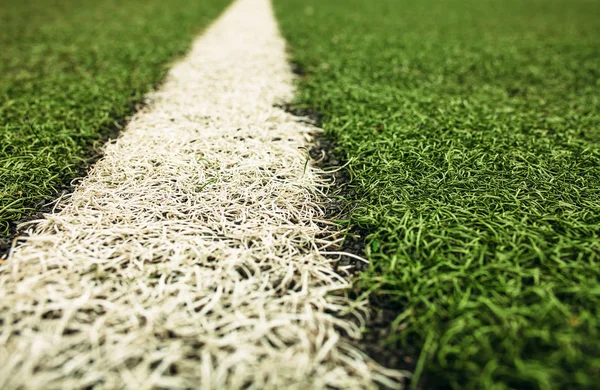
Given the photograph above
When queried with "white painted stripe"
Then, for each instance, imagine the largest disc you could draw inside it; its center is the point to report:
(189, 257)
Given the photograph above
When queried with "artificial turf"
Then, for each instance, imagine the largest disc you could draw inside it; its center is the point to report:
(70, 70)
(472, 132)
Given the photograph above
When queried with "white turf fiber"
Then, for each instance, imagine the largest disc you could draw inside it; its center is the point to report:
(190, 255)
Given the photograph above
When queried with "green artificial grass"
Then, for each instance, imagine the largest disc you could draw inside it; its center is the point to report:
(69, 70)
(472, 131)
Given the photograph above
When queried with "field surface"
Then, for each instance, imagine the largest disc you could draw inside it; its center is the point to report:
(195, 254)
(68, 71)
(472, 132)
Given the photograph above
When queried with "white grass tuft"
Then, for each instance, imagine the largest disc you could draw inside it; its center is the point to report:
(190, 255)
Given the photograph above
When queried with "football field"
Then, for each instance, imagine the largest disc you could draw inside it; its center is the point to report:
(221, 241)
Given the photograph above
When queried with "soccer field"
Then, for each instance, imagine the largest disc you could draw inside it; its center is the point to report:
(471, 131)
(197, 250)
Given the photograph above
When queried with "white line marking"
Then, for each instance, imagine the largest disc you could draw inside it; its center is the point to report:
(189, 257)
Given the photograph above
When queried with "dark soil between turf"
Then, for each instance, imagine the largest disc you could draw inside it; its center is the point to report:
(378, 330)
(378, 327)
